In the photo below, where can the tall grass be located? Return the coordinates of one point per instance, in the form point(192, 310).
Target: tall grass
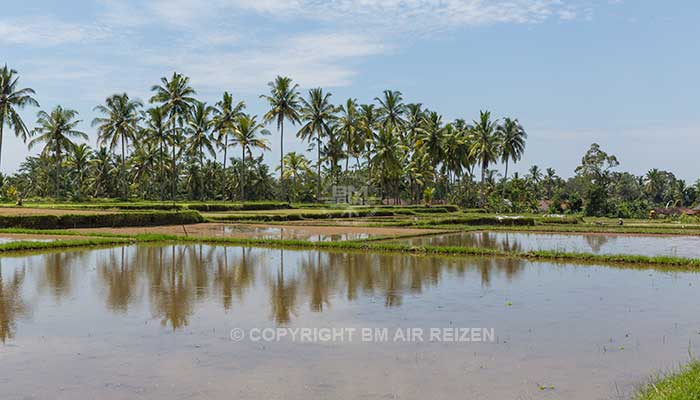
point(683, 385)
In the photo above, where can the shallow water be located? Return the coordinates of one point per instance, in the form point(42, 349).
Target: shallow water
point(677, 246)
point(282, 232)
point(4, 240)
point(152, 322)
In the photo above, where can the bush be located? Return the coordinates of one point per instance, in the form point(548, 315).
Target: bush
point(70, 221)
point(302, 216)
point(482, 220)
point(214, 207)
point(566, 220)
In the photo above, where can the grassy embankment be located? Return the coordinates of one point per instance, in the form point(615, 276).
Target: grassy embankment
point(421, 217)
point(682, 385)
point(117, 219)
point(366, 246)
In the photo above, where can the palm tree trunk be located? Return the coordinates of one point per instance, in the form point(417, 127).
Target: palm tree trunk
point(483, 178)
point(505, 178)
point(318, 167)
point(283, 192)
point(162, 171)
point(126, 195)
point(201, 171)
point(223, 181)
point(58, 171)
point(2, 125)
point(242, 183)
point(281, 149)
point(174, 165)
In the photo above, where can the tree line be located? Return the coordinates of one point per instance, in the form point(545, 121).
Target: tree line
point(168, 149)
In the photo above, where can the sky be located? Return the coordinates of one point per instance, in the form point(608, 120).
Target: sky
point(621, 73)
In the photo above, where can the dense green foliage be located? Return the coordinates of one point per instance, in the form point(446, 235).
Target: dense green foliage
point(152, 218)
point(388, 152)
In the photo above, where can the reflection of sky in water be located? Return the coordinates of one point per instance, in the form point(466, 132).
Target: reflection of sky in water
point(679, 246)
point(153, 322)
point(10, 240)
point(289, 233)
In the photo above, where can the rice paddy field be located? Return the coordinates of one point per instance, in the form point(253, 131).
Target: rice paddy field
point(148, 300)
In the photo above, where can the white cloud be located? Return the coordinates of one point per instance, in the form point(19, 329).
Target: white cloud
point(312, 59)
point(410, 14)
point(47, 31)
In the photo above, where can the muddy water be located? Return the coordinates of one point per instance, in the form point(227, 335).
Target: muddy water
point(678, 246)
point(148, 322)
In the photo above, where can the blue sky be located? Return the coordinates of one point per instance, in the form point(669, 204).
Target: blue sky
point(622, 73)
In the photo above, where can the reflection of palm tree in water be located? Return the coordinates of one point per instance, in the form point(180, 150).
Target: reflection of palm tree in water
point(172, 292)
point(178, 275)
point(231, 280)
point(283, 294)
point(316, 279)
point(57, 273)
point(120, 281)
point(596, 242)
point(11, 304)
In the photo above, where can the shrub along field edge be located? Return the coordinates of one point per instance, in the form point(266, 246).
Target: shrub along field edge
point(72, 221)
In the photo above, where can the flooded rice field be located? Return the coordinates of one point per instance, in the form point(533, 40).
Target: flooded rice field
point(263, 231)
point(171, 322)
point(649, 245)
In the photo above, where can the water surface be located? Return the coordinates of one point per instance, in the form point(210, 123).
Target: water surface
point(677, 246)
point(154, 322)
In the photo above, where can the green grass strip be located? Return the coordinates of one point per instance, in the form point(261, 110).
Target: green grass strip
point(367, 246)
point(438, 250)
point(683, 385)
point(29, 245)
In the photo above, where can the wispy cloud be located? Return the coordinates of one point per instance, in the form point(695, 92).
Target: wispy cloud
point(313, 60)
point(238, 43)
point(47, 31)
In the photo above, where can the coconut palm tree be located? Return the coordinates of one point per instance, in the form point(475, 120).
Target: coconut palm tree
point(57, 131)
point(318, 114)
point(101, 165)
point(368, 121)
point(391, 110)
point(386, 157)
point(654, 184)
point(156, 131)
point(414, 120)
point(348, 127)
point(512, 136)
point(485, 147)
point(142, 165)
point(298, 166)
point(79, 164)
point(225, 120)
point(247, 136)
point(13, 99)
point(200, 139)
point(175, 95)
point(199, 131)
point(431, 135)
point(283, 101)
point(120, 124)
